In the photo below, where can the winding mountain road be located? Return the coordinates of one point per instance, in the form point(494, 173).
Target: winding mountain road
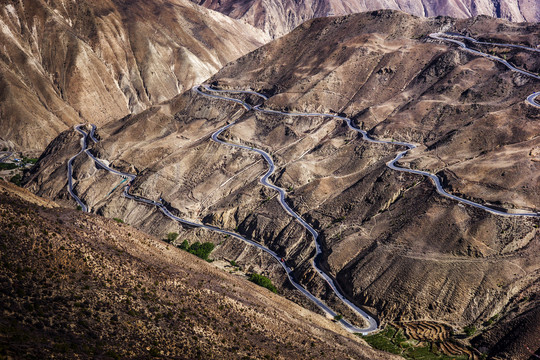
point(391, 164)
point(327, 310)
point(282, 194)
point(449, 37)
point(5, 156)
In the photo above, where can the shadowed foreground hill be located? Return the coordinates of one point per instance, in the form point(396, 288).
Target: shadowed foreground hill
point(79, 286)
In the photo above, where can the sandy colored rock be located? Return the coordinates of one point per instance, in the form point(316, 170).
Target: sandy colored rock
point(64, 63)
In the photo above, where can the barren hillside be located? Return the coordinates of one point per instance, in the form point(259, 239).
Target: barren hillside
point(79, 286)
point(63, 63)
point(278, 17)
point(391, 241)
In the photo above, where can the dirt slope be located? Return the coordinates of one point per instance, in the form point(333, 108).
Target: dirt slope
point(63, 63)
point(74, 285)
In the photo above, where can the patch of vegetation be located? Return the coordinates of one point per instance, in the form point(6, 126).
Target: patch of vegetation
point(383, 340)
point(492, 319)
point(184, 245)
point(263, 281)
point(29, 160)
point(120, 221)
point(8, 166)
point(201, 250)
point(171, 237)
point(16, 179)
point(338, 219)
point(338, 317)
point(469, 330)
point(394, 341)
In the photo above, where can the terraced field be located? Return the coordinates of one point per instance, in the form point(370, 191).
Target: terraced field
point(421, 340)
point(438, 335)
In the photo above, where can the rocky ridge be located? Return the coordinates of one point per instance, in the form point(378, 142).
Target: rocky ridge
point(63, 63)
point(278, 17)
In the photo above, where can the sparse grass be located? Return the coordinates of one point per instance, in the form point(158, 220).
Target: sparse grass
point(492, 319)
point(469, 330)
point(338, 219)
point(120, 221)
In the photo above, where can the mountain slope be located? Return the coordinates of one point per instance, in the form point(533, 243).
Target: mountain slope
point(63, 63)
point(277, 17)
point(387, 237)
point(73, 285)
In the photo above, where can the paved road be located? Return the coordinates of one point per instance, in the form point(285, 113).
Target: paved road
point(271, 168)
point(391, 164)
point(100, 164)
point(450, 37)
point(70, 169)
point(6, 156)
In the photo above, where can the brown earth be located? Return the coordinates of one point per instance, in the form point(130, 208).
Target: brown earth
point(79, 286)
point(63, 63)
point(278, 17)
point(392, 242)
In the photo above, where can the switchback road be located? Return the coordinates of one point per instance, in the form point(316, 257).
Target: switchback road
point(101, 165)
point(282, 198)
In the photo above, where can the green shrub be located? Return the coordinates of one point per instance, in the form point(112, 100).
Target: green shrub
point(172, 236)
point(120, 221)
point(184, 245)
point(338, 317)
point(262, 281)
point(7, 166)
point(201, 250)
point(469, 330)
point(29, 160)
point(16, 179)
point(492, 319)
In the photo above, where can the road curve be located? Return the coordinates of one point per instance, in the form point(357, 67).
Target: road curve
point(391, 164)
point(70, 169)
point(5, 156)
point(327, 310)
point(449, 37)
point(264, 179)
